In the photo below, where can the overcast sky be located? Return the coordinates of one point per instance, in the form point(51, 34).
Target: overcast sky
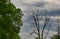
point(51, 7)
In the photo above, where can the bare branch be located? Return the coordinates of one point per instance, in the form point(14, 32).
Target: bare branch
point(48, 31)
point(45, 24)
point(34, 32)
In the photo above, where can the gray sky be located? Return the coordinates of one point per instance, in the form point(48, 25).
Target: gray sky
point(52, 7)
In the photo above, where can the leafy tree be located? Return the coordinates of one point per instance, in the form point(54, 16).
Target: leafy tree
point(10, 20)
point(55, 37)
point(36, 37)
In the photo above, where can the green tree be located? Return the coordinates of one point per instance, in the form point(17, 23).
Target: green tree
point(10, 20)
point(55, 37)
point(36, 37)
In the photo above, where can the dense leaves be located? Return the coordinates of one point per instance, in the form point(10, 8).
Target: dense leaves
point(10, 20)
point(55, 37)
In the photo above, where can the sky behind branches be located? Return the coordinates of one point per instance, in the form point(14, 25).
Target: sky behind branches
point(51, 7)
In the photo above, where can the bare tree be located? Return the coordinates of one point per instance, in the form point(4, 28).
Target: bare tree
point(49, 26)
point(45, 24)
point(36, 22)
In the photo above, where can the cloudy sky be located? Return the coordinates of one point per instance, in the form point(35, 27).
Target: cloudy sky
point(51, 7)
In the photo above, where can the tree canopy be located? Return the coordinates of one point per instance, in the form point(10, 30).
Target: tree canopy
point(10, 20)
point(55, 37)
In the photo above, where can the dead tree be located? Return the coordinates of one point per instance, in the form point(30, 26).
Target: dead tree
point(36, 23)
point(45, 24)
point(49, 26)
point(47, 18)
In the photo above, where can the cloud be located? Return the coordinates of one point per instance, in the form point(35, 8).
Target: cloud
point(43, 3)
point(50, 7)
point(39, 3)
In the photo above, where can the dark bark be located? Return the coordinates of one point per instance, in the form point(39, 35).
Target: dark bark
point(36, 21)
point(45, 24)
point(58, 26)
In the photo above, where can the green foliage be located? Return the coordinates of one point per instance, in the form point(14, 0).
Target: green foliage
point(10, 20)
point(55, 37)
point(36, 37)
